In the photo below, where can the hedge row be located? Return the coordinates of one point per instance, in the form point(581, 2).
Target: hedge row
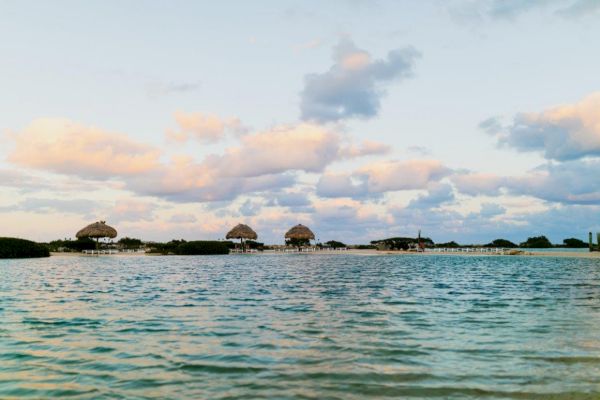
point(21, 248)
point(201, 248)
point(182, 247)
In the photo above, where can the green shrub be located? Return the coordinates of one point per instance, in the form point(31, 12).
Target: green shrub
point(451, 244)
point(21, 248)
point(295, 242)
point(81, 244)
point(130, 243)
point(72, 245)
point(335, 244)
point(537, 242)
point(201, 247)
point(401, 243)
point(501, 243)
point(574, 243)
point(365, 247)
point(164, 248)
point(254, 245)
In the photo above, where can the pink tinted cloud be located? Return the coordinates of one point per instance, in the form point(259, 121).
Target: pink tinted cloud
point(477, 183)
point(183, 219)
point(387, 176)
point(263, 161)
point(366, 148)
point(206, 128)
point(304, 147)
point(63, 146)
point(563, 133)
point(129, 209)
point(382, 176)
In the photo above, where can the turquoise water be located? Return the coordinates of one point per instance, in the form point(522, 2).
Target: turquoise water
point(559, 250)
point(300, 327)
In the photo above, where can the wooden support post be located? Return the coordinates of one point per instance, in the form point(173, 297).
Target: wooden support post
point(591, 242)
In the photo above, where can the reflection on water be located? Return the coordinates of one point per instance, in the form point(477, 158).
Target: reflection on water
point(300, 326)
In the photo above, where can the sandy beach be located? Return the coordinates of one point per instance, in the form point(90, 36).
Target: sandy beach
point(369, 252)
point(523, 253)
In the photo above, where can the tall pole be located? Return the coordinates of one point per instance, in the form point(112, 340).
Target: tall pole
point(591, 242)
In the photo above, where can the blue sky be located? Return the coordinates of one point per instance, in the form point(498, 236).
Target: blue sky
point(471, 120)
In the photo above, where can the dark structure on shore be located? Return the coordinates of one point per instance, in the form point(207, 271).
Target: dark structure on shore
point(591, 240)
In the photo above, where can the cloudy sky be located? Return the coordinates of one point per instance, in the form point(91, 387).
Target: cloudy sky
point(470, 120)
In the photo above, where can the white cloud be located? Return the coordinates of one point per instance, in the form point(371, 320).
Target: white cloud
point(388, 176)
point(562, 133)
point(183, 219)
point(83, 207)
point(381, 177)
point(572, 182)
point(437, 195)
point(205, 128)
point(366, 148)
point(60, 145)
point(131, 209)
point(303, 147)
point(509, 10)
point(353, 86)
point(477, 183)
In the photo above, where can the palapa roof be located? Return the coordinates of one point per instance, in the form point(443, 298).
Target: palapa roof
point(241, 231)
point(300, 232)
point(97, 230)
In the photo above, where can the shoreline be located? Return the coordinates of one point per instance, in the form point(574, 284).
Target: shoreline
point(369, 252)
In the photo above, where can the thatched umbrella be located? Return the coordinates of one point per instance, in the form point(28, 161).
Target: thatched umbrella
point(241, 231)
point(300, 233)
point(96, 231)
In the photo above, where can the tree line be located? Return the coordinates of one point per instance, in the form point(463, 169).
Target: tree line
point(534, 242)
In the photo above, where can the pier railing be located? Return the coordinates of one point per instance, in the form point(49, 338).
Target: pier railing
point(243, 251)
point(98, 252)
point(484, 250)
point(307, 249)
point(112, 251)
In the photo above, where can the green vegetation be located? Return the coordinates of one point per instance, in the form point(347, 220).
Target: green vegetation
point(21, 248)
point(182, 247)
point(401, 243)
point(72, 245)
point(364, 247)
point(202, 248)
point(501, 243)
point(451, 244)
point(130, 243)
point(297, 242)
point(334, 244)
point(573, 243)
point(164, 248)
point(254, 245)
point(537, 242)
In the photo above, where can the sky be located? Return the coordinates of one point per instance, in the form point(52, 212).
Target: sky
point(467, 120)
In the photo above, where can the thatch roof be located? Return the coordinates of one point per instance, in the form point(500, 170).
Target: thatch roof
point(97, 230)
point(300, 232)
point(241, 231)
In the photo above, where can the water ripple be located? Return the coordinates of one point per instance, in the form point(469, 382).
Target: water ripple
point(300, 327)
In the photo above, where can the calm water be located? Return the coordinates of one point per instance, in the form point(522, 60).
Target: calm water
point(300, 327)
